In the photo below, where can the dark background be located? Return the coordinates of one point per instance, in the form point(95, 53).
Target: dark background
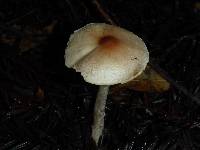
point(46, 106)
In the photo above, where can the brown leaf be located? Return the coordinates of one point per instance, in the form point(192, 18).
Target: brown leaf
point(148, 81)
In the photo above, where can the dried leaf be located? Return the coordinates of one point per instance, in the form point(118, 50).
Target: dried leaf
point(148, 81)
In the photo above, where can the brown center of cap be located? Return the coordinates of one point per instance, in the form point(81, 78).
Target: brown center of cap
point(108, 42)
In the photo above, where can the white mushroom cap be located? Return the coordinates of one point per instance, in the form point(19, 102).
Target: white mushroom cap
point(106, 54)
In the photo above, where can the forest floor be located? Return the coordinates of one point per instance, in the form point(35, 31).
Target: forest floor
point(47, 106)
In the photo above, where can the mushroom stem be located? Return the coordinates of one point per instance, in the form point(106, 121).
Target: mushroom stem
point(99, 112)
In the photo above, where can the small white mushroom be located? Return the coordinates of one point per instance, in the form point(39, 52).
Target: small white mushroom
point(105, 55)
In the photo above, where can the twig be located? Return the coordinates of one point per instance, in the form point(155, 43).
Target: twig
point(167, 77)
point(103, 13)
point(21, 17)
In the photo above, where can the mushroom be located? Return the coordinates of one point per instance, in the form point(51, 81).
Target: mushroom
point(105, 55)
